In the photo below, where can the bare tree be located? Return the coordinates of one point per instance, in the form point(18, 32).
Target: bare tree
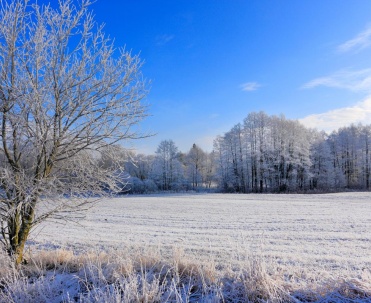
point(67, 98)
point(196, 163)
point(168, 170)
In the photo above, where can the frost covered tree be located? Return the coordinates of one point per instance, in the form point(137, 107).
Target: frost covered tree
point(67, 98)
point(350, 156)
point(365, 142)
point(140, 166)
point(196, 166)
point(323, 174)
point(210, 170)
point(168, 170)
point(264, 154)
point(272, 153)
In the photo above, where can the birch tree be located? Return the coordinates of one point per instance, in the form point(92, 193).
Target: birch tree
point(365, 139)
point(168, 171)
point(196, 163)
point(67, 98)
point(265, 153)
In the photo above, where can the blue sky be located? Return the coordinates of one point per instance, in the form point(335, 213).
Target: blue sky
point(211, 62)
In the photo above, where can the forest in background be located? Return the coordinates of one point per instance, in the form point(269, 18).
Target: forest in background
point(262, 154)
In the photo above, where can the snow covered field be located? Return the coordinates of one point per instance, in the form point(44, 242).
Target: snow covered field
point(321, 233)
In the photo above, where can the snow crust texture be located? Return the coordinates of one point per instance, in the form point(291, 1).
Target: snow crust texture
point(329, 231)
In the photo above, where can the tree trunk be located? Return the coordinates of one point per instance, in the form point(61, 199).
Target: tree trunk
point(367, 166)
point(21, 244)
point(19, 228)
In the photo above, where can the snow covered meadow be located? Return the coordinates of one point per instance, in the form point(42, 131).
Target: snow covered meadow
point(300, 243)
point(327, 231)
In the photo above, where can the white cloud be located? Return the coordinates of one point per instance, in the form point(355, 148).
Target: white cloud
point(359, 42)
point(164, 39)
point(214, 116)
point(250, 86)
point(334, 119)
point(357, 81)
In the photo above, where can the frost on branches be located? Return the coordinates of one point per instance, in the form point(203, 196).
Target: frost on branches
point(67, 97)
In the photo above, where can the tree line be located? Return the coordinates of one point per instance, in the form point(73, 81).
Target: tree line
point(170, 169)
point(262, 154)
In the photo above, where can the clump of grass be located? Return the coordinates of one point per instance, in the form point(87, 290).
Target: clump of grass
point(253, 283)
point(336, 290)
point(6, 266)
point(147, 276)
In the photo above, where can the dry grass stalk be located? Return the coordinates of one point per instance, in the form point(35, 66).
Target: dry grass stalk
point(114, 276)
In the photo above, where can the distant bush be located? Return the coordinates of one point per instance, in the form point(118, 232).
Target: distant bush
point(150, 186)
point(138, 186)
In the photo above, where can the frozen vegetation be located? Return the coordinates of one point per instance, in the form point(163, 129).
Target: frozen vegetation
point(264, 154)
point(202, 248)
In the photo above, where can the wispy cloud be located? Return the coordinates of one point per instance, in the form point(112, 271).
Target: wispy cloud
point(357, 81)
point(164, 39)
point(359, 42)
point(250, 86)
point(334, 119)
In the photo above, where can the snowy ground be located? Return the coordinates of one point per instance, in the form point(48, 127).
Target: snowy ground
point(330, 232)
